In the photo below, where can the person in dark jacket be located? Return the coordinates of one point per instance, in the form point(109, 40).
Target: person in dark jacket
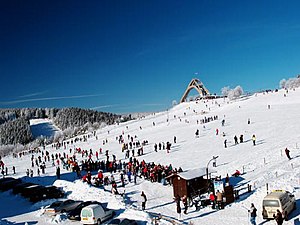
point(225, 143)
point(278, 217)
point(235, 139)
point(252, 212)
point(287, 152)
point(178, 207)
point(144, 200)
point(58, 172)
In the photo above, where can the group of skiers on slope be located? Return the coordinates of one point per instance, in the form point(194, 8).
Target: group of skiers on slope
point(279, 218)
point(241, 138)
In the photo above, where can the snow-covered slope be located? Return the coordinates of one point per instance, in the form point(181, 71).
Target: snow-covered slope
point(275, 127)
point(43, 127)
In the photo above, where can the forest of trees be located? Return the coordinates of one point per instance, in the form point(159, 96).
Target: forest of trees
point(26, 113)
point(15, 127)
point(15, 131)
point(76, 117)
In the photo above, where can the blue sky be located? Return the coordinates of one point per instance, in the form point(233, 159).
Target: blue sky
point(134, 56)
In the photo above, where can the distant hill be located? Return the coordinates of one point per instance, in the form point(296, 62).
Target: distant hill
point(15, 126)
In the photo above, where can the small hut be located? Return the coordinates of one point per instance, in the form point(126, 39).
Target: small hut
point(190, 183)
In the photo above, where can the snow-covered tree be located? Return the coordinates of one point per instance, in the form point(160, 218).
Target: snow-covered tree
point(282, 83)
point(232, 93)
point(290, 83)
point(16, 131)
point(71, 117)
point(225, 91)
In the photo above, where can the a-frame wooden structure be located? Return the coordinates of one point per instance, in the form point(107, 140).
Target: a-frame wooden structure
point(199, 86)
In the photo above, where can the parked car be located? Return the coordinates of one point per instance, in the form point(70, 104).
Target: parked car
point(19, 187)
point(47, 192)
point(9, 184)
point(95, 214)
point(75, 213)
point(25, 192)
point(120, 221)
point(62, 206)
point(6, 179)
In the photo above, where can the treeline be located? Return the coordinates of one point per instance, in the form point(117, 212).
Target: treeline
point(15, 127)
point(26, 113)
point(15, 131)
point(76, 117)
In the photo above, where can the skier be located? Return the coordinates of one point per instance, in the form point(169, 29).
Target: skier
point(225, 143)
point(252, 212)
point(175, 139)
point(144, 200)
point(168, 147)
point(197, 133)
point(287, 152)
point(217, 131)
point(235, 139)
point(223, 122)
point(253, 139)
point(155, 147)
point(241, 138)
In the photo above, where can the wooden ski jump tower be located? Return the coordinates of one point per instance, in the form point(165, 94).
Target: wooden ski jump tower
point(199, 86)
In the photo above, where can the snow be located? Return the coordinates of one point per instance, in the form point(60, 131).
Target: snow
point(265, 163)
point(194, 173)
point(43, 127)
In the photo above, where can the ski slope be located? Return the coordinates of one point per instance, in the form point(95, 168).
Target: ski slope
point(275, 129)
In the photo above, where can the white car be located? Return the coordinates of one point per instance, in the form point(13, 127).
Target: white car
point(95, 214)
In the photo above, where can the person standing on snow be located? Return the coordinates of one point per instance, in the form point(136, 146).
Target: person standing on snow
point(185, 203)
point(219, 199)
point(241, 138)
point(178, 207)
point(58, 172)
point(253, 139)
point(287, 152)
point(144, 200)
point(197, 133)
point(278, 217)
point(252, 212)
point(225, 143)
point(212, 199)
point(235, 140)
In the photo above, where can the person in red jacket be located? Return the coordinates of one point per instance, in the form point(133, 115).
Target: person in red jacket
point(212, 198)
